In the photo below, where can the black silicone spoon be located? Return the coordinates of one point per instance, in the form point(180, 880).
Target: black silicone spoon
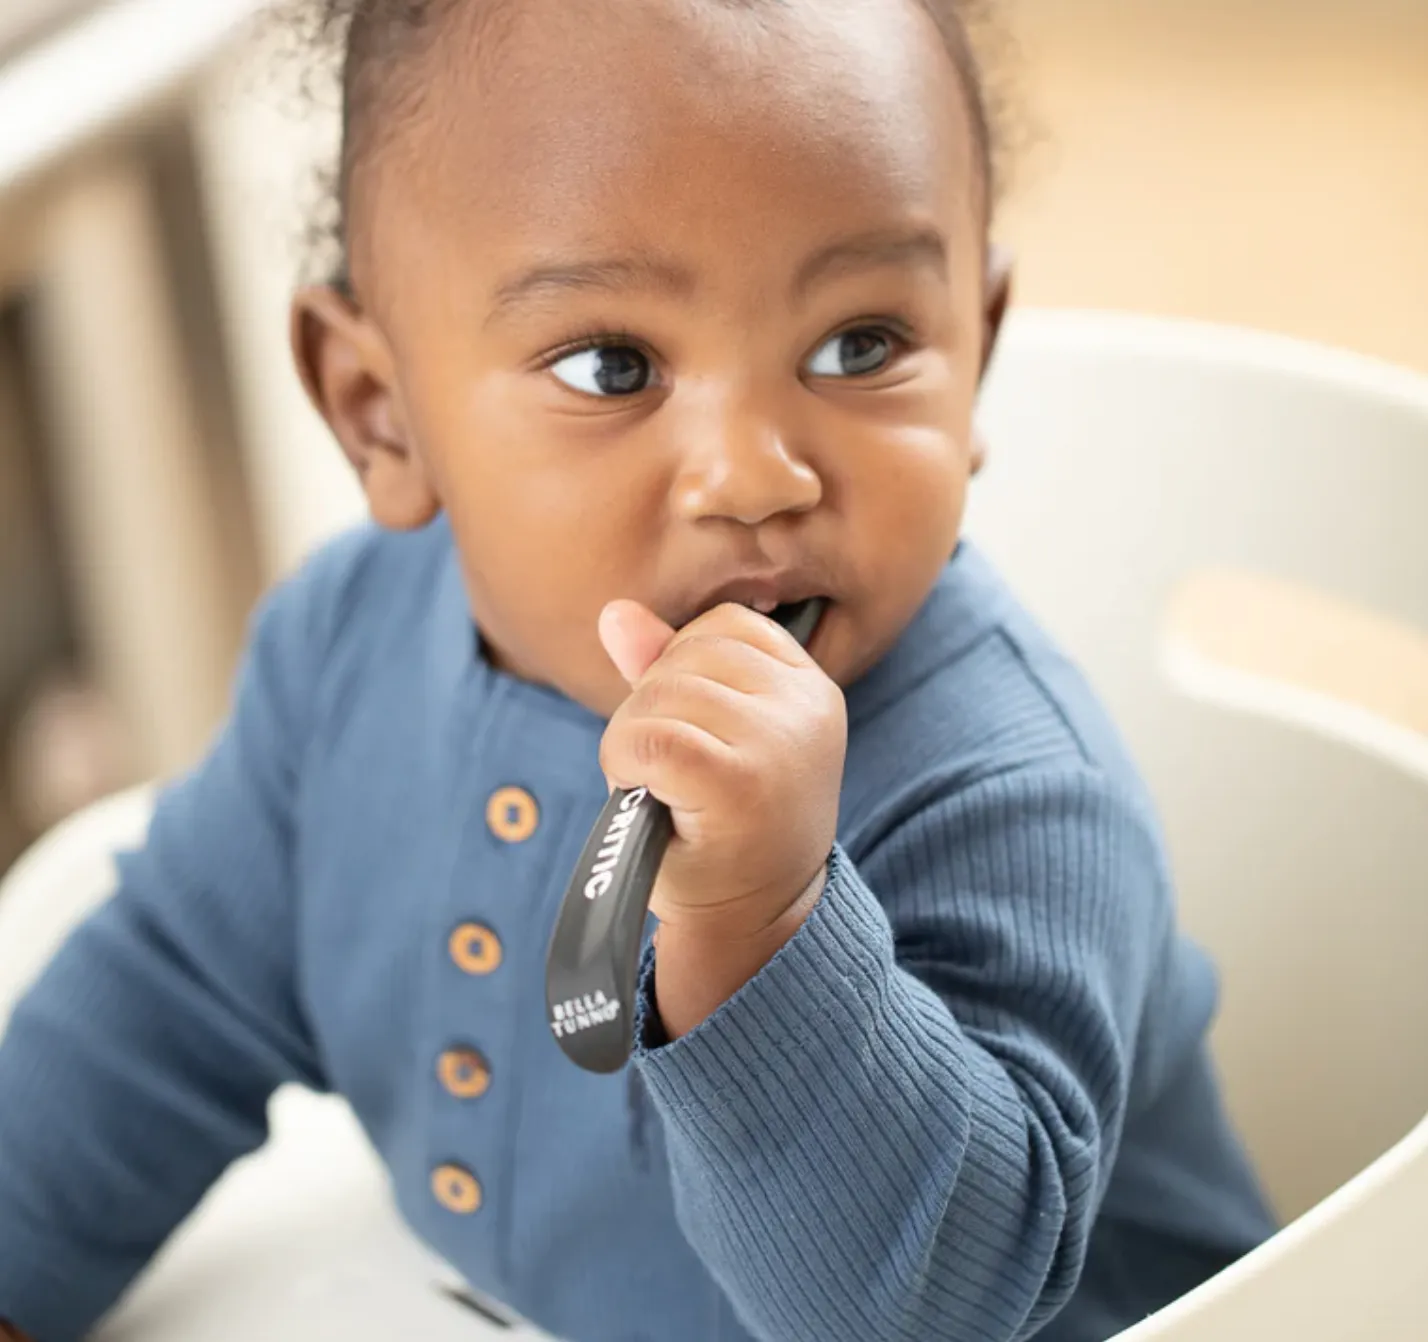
point(594, 954)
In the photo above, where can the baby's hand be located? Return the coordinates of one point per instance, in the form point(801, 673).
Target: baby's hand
point(740, 733)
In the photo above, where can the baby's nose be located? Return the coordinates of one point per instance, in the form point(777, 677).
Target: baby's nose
point(745, 468)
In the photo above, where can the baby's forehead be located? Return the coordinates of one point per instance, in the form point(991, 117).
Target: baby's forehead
point(536, 115)
point(861, 61)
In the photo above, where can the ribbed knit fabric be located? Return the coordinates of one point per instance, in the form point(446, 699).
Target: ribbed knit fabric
point(969, 1100)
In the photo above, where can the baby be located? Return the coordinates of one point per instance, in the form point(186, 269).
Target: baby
point(656, 315)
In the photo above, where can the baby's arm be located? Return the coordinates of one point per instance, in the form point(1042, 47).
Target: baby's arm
point(141, 1063)
point(912, 1141)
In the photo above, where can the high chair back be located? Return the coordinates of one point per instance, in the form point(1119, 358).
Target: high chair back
point(1230, 533)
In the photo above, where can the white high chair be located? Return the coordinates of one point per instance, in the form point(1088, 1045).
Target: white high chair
point(1228, 532)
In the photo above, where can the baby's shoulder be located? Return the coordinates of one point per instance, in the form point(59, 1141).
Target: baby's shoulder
point(355, 619)
point(976, 690)
point(359, 591)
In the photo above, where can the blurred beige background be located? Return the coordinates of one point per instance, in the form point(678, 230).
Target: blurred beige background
point(1262, 163)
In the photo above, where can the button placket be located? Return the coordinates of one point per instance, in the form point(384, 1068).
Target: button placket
point(530, 799)
point(513, 817)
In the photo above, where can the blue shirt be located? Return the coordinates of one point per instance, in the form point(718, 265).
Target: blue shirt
point(970, 1099)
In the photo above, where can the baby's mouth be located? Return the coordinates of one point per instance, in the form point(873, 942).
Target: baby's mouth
point(783, 598)
point(800, 618)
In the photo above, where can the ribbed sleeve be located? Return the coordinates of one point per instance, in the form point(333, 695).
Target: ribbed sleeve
point(902, 1127)
point(142, 1062)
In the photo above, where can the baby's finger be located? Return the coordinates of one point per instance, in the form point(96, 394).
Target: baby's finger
point(723, 658)
point(684, 766)
point(633, 637)
point(728, 714)
point(746, 626)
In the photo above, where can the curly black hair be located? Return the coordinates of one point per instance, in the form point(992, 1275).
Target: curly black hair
point(371, 43)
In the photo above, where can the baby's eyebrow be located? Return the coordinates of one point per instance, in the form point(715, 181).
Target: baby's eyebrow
point(869, 251)
point(864, 251)
point(610, 274)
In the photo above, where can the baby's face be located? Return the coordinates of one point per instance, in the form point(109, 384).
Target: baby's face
point(680, 305)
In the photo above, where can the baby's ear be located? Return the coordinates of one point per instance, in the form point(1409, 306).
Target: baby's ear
point(347, 369)
point(996, 298)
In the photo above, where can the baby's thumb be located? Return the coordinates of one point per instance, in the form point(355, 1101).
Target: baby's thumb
point(634, 637)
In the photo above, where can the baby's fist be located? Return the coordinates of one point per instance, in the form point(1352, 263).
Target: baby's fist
point(740, 733)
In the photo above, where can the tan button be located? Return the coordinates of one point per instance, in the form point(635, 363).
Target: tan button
point(456, 1189)
point(476, 949)
point(512, 814)
point(464, 1073)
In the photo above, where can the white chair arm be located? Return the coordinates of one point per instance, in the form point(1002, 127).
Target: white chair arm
point(1349, 1270)
point(57, 882)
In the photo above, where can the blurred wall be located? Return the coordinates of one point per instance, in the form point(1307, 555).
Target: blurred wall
point(1261, 162)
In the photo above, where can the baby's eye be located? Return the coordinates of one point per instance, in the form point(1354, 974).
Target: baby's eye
point(605, 370)
point(856, 353)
